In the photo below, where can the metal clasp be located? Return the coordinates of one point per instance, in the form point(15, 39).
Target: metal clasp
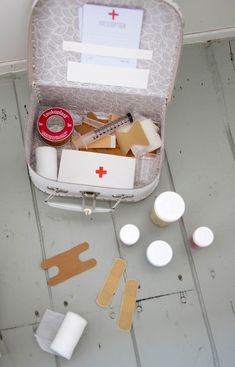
point(90, 196)
point(55, 191)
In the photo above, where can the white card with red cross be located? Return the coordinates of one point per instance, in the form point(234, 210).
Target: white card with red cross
point(96, 169)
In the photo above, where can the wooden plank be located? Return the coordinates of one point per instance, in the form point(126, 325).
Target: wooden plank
point(193, 117)
point(172, 333)
point(62, 230)
point(153, 281)
point(21, 349)
point(22, 284)
point(223, 68)
point(103, 344)
point(23, 96)
point(171, 282)
point(202, 167)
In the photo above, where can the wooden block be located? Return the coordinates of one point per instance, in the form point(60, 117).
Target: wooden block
point(68, 263)
point(83, 129)
point(111, 283)
point(108, 141)
point(92, 116)
point(113, 151)
point(113, 117)
point(128, 304)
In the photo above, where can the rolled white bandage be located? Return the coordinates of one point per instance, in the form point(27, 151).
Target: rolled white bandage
point(68, 335)
point(46, 162)
point(59, 334)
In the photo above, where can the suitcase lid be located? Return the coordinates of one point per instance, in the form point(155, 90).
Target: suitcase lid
point(53, 22)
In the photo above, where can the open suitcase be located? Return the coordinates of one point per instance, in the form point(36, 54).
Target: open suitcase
point(53, 22)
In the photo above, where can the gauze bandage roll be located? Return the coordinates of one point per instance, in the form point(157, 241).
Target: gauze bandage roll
point(68, 335)
point(59, 334)
point(46, 162)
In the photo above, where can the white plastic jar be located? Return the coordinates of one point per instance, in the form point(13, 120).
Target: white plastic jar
point(202, 237)
point(159, 253)
point(168, 208)
point(129, 234)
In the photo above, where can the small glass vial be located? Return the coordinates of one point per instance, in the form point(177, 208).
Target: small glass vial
point(202, 237)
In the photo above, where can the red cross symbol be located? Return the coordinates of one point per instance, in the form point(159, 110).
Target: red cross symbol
point(101, 172)
point(113, 14)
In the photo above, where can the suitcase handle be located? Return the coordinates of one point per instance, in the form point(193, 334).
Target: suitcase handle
point(83, 208)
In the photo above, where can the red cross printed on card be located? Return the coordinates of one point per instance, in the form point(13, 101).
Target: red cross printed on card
point(101, 172)
point(113, 14)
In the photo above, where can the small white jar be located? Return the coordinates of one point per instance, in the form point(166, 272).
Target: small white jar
point(168, 208)
point(159, 253)
point(129, 234)
point(202, 237)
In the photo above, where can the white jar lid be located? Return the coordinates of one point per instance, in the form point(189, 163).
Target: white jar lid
point(169, 206)
point(129, 234)
point(203, 236)
point(159, 253)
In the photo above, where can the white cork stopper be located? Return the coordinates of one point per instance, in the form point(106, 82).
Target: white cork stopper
point(159, 253)
point(129, 234)
point(203, 237)
point(169, 206)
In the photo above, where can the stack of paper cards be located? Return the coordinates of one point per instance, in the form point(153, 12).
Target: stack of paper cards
point(110, 26)
point(97, 169)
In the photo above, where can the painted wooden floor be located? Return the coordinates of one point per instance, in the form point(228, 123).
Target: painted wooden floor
point(186, 311)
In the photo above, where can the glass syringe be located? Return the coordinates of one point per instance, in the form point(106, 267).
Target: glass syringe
point(83, 141)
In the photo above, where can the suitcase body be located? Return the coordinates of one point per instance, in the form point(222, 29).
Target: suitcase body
point(54, 22)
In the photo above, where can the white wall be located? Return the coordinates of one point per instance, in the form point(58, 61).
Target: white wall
point(204, 19)
point(208, 19)
point(13, 29)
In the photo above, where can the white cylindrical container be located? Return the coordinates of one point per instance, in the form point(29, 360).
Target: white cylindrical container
point(202, 237)
point(159, 253)
point(168, 208)
point(68, 335)
point(129, 234)
point(46, 162)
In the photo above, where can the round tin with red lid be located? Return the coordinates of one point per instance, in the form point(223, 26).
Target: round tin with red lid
point(55, 126)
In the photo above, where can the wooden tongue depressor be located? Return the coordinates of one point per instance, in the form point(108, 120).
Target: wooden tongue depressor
point(128, 305)
point(111, 283)
point(113, 151)
point(68, 263)
point(108, 141)
point(93, 116)
point(134, 136)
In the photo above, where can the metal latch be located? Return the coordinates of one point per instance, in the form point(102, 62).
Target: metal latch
point(90, 196)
